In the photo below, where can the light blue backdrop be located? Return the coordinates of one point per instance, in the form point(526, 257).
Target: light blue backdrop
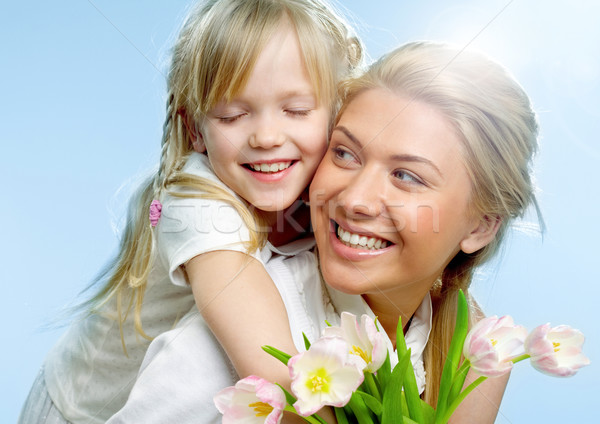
point(82, 87)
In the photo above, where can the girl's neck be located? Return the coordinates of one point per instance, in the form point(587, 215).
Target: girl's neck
point(288, 225)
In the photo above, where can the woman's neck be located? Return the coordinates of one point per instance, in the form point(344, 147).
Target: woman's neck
point(388, 309)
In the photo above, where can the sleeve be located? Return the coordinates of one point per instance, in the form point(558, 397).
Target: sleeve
point(189, 227)
point(182, 370)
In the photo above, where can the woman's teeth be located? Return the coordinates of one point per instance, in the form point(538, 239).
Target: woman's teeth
point(360, 242)
point(270, 167)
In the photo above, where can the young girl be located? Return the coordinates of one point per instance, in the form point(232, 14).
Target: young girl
point(446, 136)
point(251, 90)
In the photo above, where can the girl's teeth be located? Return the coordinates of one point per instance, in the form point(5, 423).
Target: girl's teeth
point(360, 242)
point(271, 167)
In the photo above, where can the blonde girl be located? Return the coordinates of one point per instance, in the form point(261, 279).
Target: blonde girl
point(429, 162)
point(251, 90)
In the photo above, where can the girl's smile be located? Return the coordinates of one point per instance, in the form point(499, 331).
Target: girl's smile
point(266, 143)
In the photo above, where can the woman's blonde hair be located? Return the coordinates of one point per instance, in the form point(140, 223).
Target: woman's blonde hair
point(494, 120)
point(212, 59)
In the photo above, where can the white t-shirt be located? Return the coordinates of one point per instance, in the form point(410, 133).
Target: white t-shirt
point(185, 367)
point(87, 373)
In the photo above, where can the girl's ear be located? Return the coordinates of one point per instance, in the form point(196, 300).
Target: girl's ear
point(482, 234)
point(193, 130)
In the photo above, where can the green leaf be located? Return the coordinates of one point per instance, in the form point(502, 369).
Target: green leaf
point(411, 392)
point(278, 354)
point(372, 403)
point(371, 385)
point(459, 381)
point(405, 410)
point(454, 353)
point(428, 412)
point(289, 398)
point(306, 341)
point(383, 373)
point(413, 399)
point(392, 396)
point(358, 406)
point(340, 416)
point(400, 341)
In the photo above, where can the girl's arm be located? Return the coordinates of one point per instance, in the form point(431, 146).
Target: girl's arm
point(243, 308)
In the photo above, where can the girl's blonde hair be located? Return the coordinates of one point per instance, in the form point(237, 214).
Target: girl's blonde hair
point(212, 59)
point(494, 120)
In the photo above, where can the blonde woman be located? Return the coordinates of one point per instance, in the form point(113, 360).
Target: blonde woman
point(428, 164)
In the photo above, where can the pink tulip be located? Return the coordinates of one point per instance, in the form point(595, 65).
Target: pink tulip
point(251, 400)
point(323, 375)
point(367, 346)
point(491, 345)
point(556, 351)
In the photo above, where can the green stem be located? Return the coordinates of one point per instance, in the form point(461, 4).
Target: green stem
point(459, 381)
point(310, 419)
point(448, 413)
point(520, 358)
point(372, 386)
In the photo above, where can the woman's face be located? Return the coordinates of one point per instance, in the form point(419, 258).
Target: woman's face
point(390, 200)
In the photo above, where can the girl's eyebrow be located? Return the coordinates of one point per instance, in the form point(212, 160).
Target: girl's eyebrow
point(297, 93)
point(398, 157)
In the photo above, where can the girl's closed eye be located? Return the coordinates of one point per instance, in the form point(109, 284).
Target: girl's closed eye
point(298, 112)
point(229, 118)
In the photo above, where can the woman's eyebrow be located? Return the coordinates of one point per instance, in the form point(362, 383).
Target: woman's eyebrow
point(398, 157)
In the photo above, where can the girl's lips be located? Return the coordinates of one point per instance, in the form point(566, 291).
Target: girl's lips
point(270, 177)
point(352, 253)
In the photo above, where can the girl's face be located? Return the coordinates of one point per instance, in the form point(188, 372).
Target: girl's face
point(390, 200)
point(268, 141)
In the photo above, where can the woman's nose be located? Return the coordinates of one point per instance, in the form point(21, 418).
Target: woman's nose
point(362, 197)
point(268, 133)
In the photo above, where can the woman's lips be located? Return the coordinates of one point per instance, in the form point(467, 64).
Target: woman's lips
point(355, 246)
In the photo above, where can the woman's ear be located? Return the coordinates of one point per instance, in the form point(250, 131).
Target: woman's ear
point(482, 234)
point(193, 130)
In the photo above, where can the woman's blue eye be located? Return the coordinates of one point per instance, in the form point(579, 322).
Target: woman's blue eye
point(407, 177)
point(342, 154)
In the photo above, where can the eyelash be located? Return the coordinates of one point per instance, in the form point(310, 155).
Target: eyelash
point(293, 112)
point(229, 119)
point(413, 178)
point(339, 154)
point(298, 112)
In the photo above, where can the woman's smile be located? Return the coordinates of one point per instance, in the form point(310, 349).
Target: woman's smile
point(390, 200)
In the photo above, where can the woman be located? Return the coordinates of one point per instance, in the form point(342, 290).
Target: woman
point(428, 163)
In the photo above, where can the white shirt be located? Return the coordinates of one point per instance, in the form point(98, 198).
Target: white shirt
point(184, 368)
point(87, 373)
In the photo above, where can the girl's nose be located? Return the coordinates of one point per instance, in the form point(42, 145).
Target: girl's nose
point(267, 134)
point(362, 197)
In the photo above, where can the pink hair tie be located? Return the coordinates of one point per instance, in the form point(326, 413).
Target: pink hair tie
point(155, 209)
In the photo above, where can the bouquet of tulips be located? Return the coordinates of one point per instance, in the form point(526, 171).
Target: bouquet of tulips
point(349, 368)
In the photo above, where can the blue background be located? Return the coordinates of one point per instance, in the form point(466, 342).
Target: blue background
point(82, 85)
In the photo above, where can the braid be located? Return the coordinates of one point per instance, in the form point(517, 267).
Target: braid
point(167, 128)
